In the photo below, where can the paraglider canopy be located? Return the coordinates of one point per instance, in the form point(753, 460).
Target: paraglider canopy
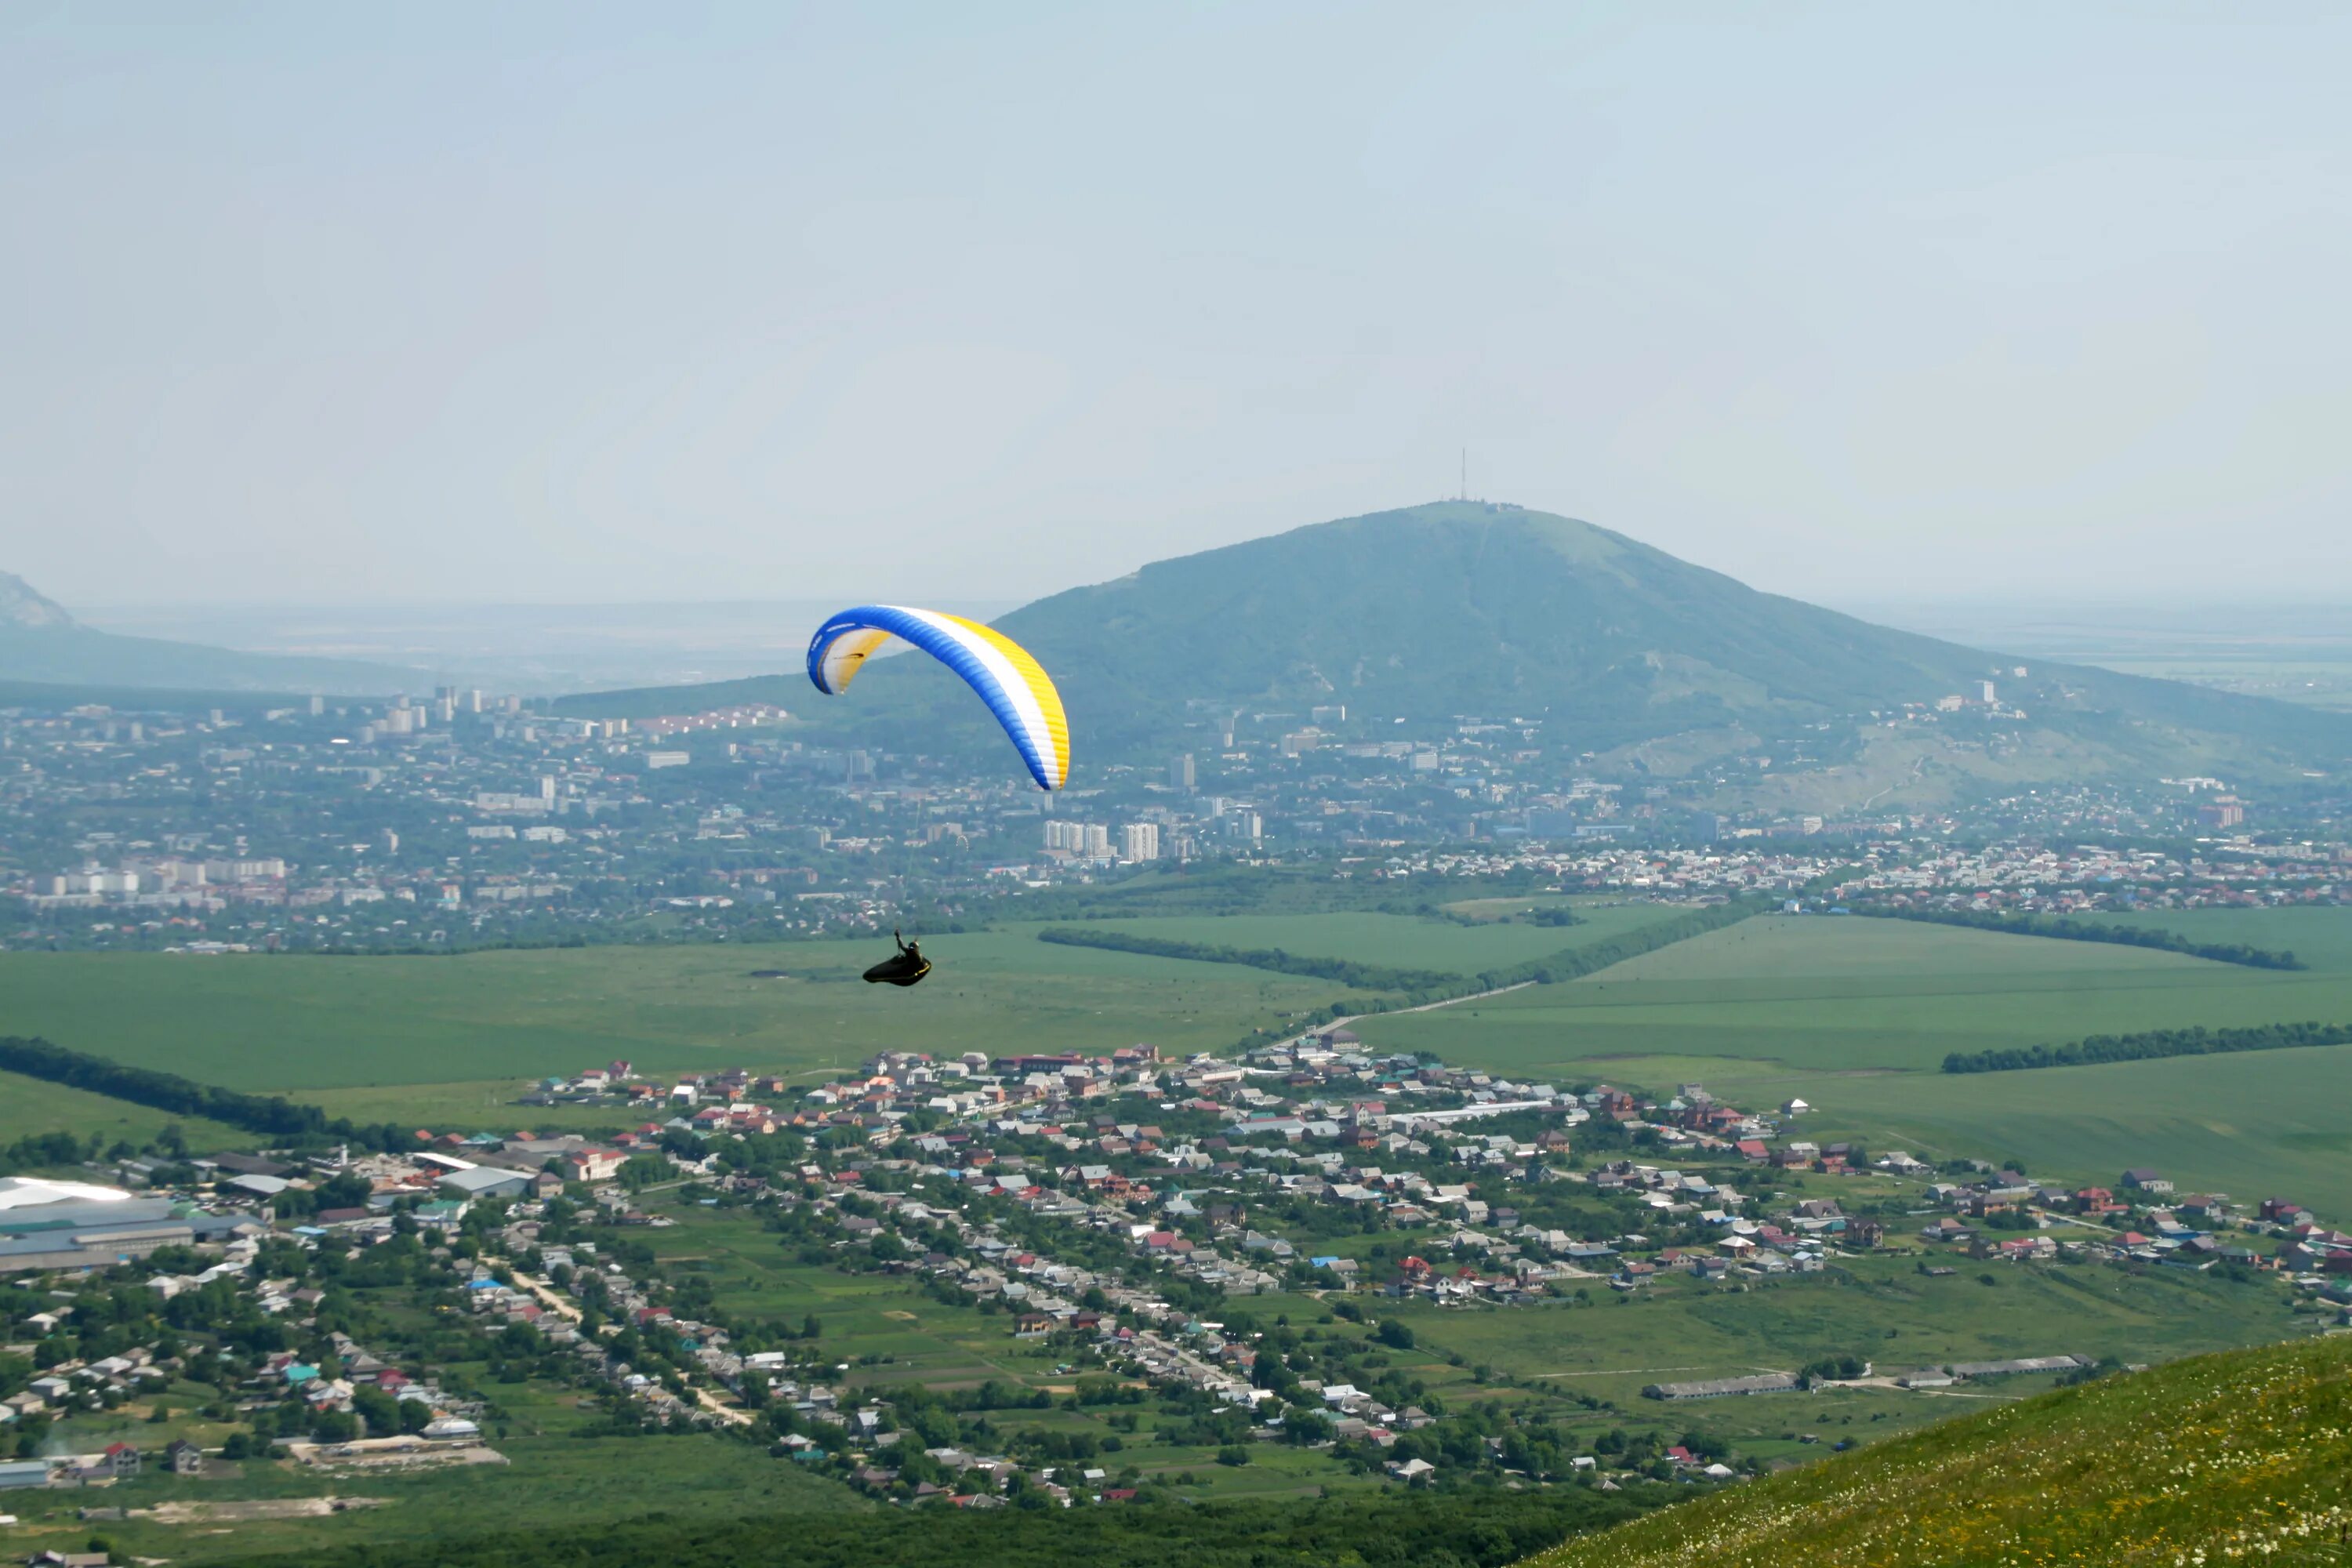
point(1013, 685)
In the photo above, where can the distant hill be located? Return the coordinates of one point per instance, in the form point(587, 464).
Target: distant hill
point(50, 697)
point(1635, 664)
point(787, 691)
point(39, 642)
point(20, 605)
point(2240, 1457)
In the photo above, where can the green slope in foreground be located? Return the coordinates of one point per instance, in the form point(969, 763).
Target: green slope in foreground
point(2246, 1456)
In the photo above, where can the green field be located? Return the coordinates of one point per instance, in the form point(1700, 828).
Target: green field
point(28, 1105)
point(451, 1040)
point(2263, 1124)
point(1855, 1015)
point(304, 1023)
point(2321, 938)
point(1404, 942)
point(1860, 993)
point(2260, 1124)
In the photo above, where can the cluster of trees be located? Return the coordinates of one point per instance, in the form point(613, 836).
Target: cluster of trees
point(1479, 1527)
point(2067, 929)
point(1344, 971)
point(2150, 1044)
point(162, 1091)
point(1831, 1369)
point(43, 1150)
point(1221, 888)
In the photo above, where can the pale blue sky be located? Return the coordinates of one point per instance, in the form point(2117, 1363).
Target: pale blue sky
point(565, 303)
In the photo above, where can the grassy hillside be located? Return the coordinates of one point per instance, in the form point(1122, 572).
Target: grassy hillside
point(2237, 1455)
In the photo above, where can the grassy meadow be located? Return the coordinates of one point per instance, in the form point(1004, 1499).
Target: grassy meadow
point(451, 1040)
point(279, 1021)
point(1855, 1017)
point(1817, 992)
point(2260, 1124)
point(1404, 942)
point(29, 1106)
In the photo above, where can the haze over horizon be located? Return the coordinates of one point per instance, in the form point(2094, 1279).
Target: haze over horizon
point(574, 307)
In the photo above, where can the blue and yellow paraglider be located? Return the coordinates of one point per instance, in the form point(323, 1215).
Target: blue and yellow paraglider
point(1013, 685)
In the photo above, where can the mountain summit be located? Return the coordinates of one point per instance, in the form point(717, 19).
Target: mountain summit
point(40, 643)
point(22, 606)
point(1476, 609)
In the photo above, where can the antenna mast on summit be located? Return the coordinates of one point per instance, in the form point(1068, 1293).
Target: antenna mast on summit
point(1466, 475)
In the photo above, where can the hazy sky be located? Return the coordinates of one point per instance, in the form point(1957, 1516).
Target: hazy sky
point(565, 303)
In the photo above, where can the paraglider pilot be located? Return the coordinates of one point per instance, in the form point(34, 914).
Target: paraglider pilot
point(904, 967)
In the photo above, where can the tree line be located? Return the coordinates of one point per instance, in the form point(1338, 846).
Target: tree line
point(1344, 971)
point(2064, 928)
point(271, 1116)
point(1419, 985)
point(2150, 1044)
point(47, 1151)
point(1576, 963)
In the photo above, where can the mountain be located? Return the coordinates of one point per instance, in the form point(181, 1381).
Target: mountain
point(1634, 662)
point(2237, 1457)
point(39, 642)
point(20, 605)
point(1470, 608)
